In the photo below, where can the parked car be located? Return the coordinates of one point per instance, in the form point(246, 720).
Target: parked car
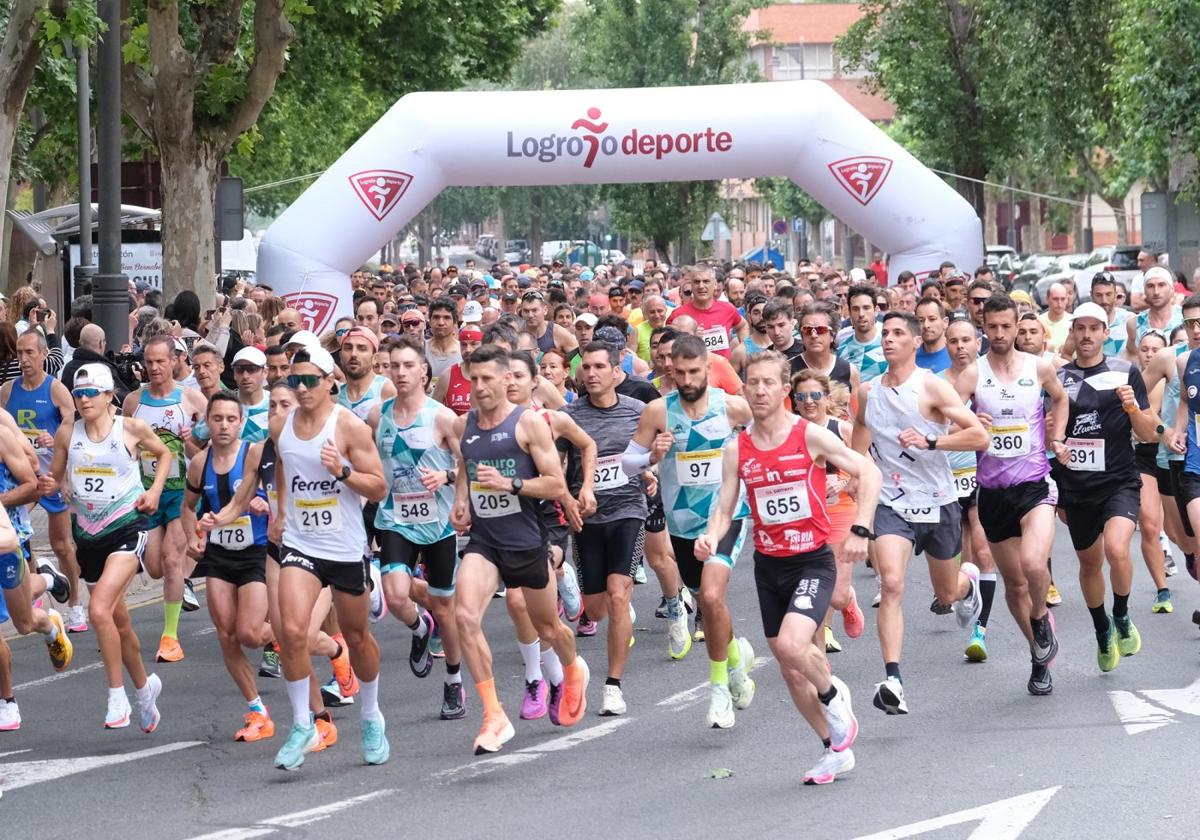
point(1118, 260)
point(1032, 269)
point(485, 246)
point(552, 247)
point(516, 251)
point(583, 253)
point(1064, 267)
point(993, 253)
point(614, 256)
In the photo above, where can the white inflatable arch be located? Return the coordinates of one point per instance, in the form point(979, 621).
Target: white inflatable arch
point(429, 141)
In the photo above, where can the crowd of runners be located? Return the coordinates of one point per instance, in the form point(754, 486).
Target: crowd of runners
point(556, 435)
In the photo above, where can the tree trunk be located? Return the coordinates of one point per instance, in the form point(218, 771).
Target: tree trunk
point(1120, 217)
point(190, 174)
point(535, 226)
point(424, 225)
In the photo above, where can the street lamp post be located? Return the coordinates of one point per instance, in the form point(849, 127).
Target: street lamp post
point(85, 271)
point(110, 290)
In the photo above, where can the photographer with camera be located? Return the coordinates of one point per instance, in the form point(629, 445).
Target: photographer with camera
point(91, 351)
point(34, 315)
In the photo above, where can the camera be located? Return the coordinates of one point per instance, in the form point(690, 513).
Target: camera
point(129, 367)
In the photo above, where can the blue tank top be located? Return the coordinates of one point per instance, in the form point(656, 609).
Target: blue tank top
point(690, 474)
point(546, 339)
point(1143, 323)
point(35, 412)
point(1191, 387)
point(500, 519)
point(248, 529)
point(408, 508)
point(20, 514)
point(1170, 405)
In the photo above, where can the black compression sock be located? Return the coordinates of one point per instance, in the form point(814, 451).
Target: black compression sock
point(987, 589)
point(892, 669)
point(1099, 619)
point(827, 697)
point(1120, 605)
point(453, 669)
point(613, 681)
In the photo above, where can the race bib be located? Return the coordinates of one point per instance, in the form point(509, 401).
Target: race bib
point(94, 484)
point(414, 508)
point(419, 437)
point(1085, 455)
point(698, 469)
point(493, 504)
point(609, 474)
point(920, 516)
point(1012, 440)
point(238, 534)
point(783, 503)
point(715, 338)
point(150, 464)
point(318, 516)
point(964, 482)
point(33, 435)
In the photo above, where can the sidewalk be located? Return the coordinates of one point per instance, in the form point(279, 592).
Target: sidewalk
point(143, 590)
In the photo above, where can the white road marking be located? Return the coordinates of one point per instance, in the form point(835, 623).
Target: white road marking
point(1138, 715)
point(296, 819)
point(1003, 820)
point(83, 669)
point(532, 753)
point(19, 774)
point(695, 693)
point(204, 631)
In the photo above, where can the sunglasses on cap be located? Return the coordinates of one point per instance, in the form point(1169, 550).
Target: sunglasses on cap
point(533, 295)
point(308, 380)
point(89, 393)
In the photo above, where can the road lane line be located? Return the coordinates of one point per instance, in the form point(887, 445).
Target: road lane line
point(533, 752)
point(19, 774)
point(83, 669)
point(295, 819)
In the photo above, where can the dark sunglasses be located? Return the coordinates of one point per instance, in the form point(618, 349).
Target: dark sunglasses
point(809, 396)
point(308, 380)
point(244, 369)
point(978, 301)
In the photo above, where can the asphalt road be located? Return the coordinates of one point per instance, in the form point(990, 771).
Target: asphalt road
point(1105, 756)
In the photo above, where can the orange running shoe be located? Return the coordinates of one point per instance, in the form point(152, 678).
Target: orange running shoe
point(326, 732)
point(496, 731)
point(258, 726)
point(168, 650)
point(61, 650)
point(347, 682)
point(574, 700)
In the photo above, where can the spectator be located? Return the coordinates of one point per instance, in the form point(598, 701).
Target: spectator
point(90, 350)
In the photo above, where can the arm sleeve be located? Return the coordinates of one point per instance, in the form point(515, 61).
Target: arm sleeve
point(635, 459)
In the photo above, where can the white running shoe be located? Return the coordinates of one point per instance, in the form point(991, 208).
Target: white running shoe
point(378, 608)
point(148, 703)
point(614, 702)
point(878, 591)
point(831, 765)
point(889, 697)
point(720, 707)
point(10, 717)
point(77, 619)
point(967, 610)
point(119, 710)
point(568, 590)
point(741, 687)
point(839, 715)
point(679, 637)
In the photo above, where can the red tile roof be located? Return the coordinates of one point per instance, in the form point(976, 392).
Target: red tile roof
point(870, 105)
point(812, 23)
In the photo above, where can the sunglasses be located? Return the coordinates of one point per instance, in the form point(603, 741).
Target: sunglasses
point(308, 380)
point(811, 330)
point(978, 301)
point(412, 323)
point(341, 332)
point(244, 369)
point(1191, 323)
point(532, 296)
point(89, 393)
point(809, 396)
point(687, 292)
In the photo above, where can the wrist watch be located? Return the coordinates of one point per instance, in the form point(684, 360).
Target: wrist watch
point(862, 531)
point(451, 476)
point(344, 474)
point(1159, 429)
point(517, 484)
point(931, 439)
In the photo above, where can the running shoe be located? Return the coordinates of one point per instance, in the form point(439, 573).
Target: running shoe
point(1053, 597)
point(832, 645)
point(301, 740)
point(454, 701)
point(853, 620)
point(190, 602)
point(375, 747)
point(613, 704)
point(573, 704)
point(59, 586)
point(533, 704)
point(1040, 682)
point(977, 647)
point(1045, 642)
point(1162, 602)
point(831, 765)
point(494, 734)
point(1129, 640)
point(1189, 562)
point(554, 702)
point(420, 660)
point(839, 715)
point(331, 695)
point(741, 687)
point(435, 644)
point(639, 574)
point(720, 707)
point(568, 591)
point(1170, 566)
point(147, 697)
point(501, 591)
point(679, 638)
point(378, 607)
point(878, 591)
point(256, 727)
point(343, 673)
point(169, 650)
point(889, 697)
point(685, 598)
point(326, 731)
point(938, 608)
point(698, 633)
point(61, 650)
point(1108, 653)
point(270, 666)
point(77, 619)
point(586, 627)
point(10, 716)
point(967, 610)
point(661, 610)
point(119, 710)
